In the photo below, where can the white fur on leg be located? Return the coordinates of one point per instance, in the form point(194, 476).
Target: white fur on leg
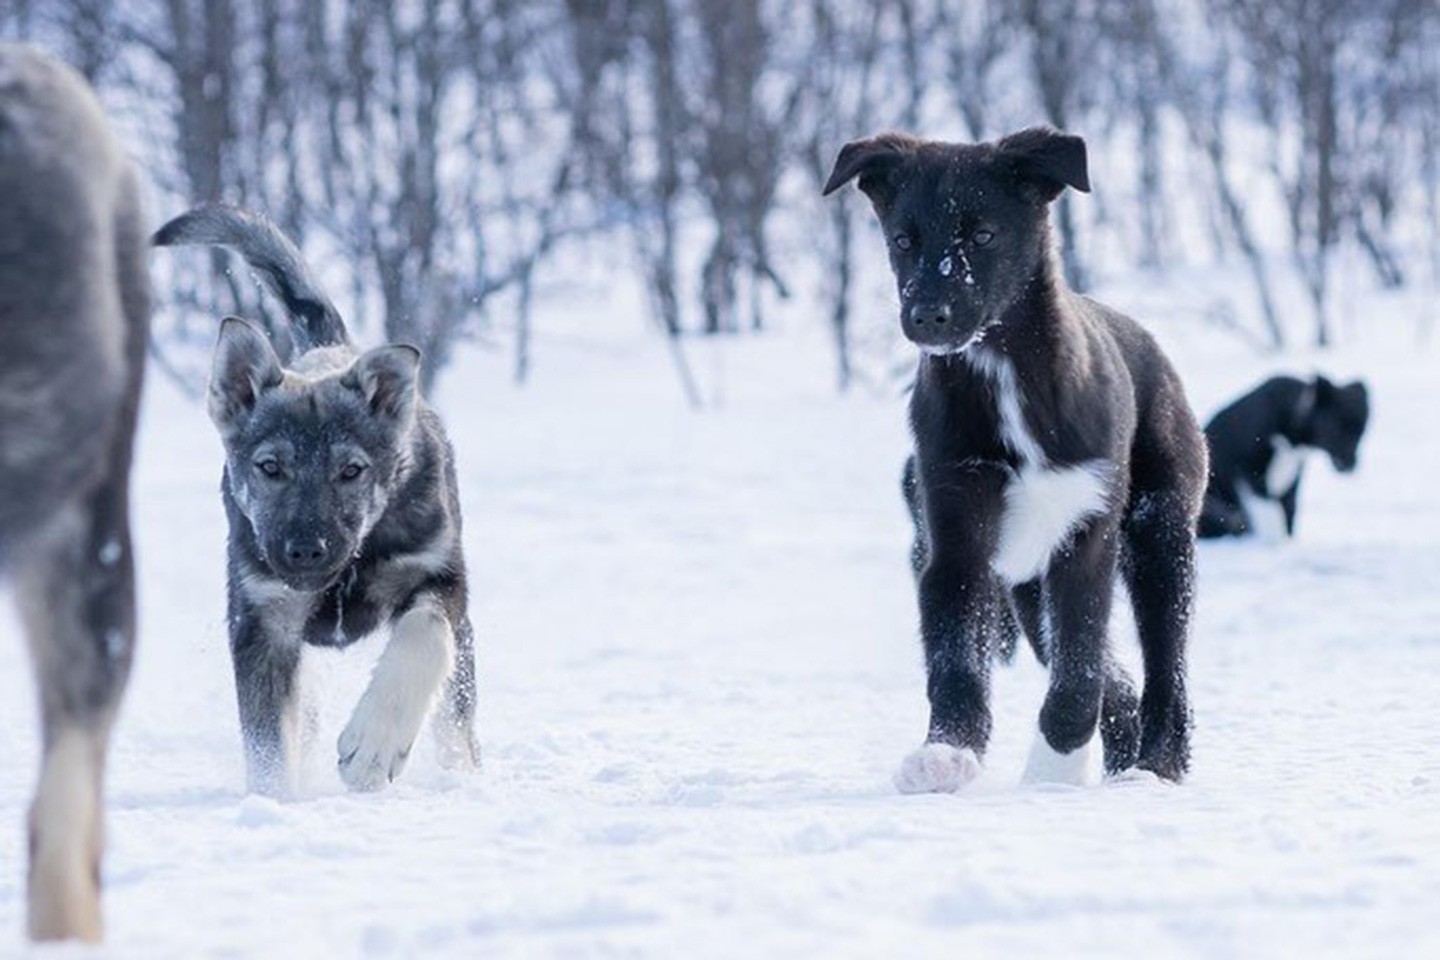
point(65, 831)
point(937, 768)
point(376, 742)
point(1080, 767)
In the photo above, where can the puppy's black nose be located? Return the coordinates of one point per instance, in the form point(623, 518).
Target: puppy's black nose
point(306, 552)
point(930, 314)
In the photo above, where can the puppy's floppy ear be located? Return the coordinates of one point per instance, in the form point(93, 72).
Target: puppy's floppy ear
point(389, 380)
point(245, 367)
point(1046, 160)
point(873, 160)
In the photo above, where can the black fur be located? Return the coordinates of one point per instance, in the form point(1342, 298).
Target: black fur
point(1277, 422)
point(980, 293)
point(342, 499)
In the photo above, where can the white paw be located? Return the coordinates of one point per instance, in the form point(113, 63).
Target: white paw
point(937, 768)
point(376, 742)
point(1080, 767)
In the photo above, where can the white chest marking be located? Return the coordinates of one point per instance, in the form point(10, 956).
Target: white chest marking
point(1284, 469)
point(1044, 505)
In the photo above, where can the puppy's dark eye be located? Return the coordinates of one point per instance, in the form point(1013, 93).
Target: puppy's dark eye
point(270, 467)
point(352, 471)
point(983, 237)
point(903, 241)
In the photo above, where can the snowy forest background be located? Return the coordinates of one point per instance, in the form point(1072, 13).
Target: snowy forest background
point(697, 635)
point(449, 160)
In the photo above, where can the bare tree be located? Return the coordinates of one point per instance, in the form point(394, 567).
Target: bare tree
point(1063, 36)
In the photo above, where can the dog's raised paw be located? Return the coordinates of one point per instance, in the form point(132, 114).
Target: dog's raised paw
point(375, 744)
point(937, 768)
point(377, 740)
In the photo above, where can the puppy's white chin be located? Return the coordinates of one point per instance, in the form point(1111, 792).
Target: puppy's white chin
point(955, 349)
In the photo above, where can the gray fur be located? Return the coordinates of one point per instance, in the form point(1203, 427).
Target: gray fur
point(344, 518)
point(74, 311)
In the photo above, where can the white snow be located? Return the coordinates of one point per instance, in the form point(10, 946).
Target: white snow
point(699, 669)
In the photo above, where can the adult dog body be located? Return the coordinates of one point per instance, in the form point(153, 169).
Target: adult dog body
point(74, 316)
point(1258, 445)
point(344, 518)
point(1053, 446)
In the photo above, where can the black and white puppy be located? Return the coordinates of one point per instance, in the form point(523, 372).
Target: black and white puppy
point(1258, 445)
point(344, 518)
point(1053, 446)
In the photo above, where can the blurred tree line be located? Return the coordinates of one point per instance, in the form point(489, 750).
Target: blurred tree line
point(446, 151)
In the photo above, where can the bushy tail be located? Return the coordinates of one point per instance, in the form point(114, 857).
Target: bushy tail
point(313, 318)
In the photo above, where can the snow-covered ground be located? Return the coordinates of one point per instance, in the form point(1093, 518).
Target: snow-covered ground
point(700, 667)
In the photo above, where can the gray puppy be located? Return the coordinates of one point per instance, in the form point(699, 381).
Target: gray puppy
point(74, 315)
point(344, 518)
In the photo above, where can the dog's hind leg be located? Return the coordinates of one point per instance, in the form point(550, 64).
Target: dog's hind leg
point(1119, 719)
point(75, 587)
point(375, 744)
point(454, 723)
point(1159, 568)
point(1028, 601)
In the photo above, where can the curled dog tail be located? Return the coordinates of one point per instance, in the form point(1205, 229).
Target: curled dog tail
point(314, 320)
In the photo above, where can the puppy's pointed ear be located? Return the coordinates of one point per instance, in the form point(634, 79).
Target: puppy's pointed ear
point(1045, 160)
point(873, 160)
point(1324, 389)
point(389, 380)
point(245, 367)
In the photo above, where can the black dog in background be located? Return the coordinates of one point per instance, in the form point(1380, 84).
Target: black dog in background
point(1258, 446)
point(1054, 447)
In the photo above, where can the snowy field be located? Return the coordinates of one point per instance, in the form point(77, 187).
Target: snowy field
point(700, 666)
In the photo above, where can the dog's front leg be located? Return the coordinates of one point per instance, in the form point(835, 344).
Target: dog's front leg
point(265, 679)
point(960, 611)
point(1289, 500)
point(376, 742)
point(1079, 590)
